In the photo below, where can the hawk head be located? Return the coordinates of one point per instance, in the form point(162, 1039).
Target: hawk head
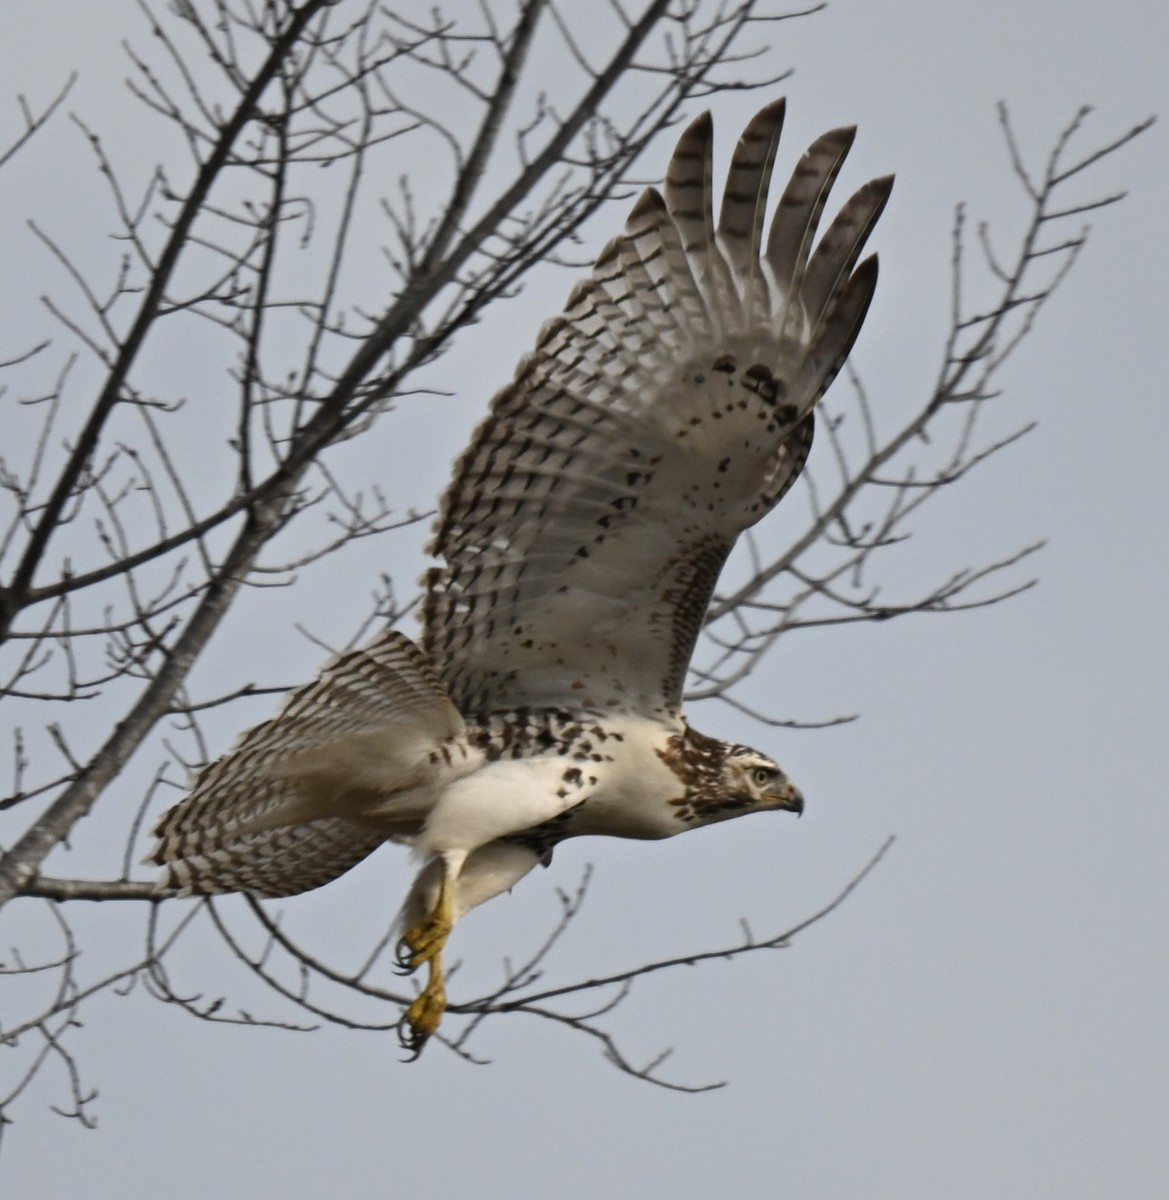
point(755, 782)
point(723, 780)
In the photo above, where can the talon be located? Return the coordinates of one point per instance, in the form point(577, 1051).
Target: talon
point(424, 1016)
point(411, 1040)
point(404, 956)
point(425, 941)
point(424, 944)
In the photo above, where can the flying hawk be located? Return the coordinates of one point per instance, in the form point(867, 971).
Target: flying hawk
point(667, 410)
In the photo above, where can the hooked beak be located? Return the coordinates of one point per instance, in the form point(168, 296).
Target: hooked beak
point(790, 798)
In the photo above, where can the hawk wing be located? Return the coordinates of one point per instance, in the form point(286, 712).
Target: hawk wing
point(288, 807)
point(666, 411)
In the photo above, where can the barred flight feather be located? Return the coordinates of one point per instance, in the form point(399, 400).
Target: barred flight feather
point(666, 411)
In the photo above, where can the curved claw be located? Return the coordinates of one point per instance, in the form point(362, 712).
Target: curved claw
point(423, 1017)
point(412, 1040)
point(405, 958)
point(424, 942)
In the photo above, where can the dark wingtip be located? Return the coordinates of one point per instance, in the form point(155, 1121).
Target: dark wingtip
point(866, 272)
point(845, 135)
point(774, 111)
point(650, 201)
point(699, 131)
point(703, 123)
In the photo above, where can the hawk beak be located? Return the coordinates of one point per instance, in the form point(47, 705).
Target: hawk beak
point(790, 799)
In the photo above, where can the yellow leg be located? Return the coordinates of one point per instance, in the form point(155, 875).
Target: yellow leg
point(424, 944)
point(424, 1016)
point(426, 940)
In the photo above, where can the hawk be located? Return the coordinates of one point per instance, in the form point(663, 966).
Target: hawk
point(667, 410)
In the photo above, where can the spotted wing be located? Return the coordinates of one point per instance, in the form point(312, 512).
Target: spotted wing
point(666, 411)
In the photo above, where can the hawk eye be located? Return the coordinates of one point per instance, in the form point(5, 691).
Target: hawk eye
point(763, 776)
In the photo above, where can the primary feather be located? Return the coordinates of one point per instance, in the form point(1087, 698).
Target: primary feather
point(667, 410)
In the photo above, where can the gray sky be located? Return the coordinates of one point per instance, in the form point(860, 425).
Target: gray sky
point(987, 1016)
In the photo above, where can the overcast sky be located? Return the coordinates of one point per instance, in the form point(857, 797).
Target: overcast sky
point(989, 1014)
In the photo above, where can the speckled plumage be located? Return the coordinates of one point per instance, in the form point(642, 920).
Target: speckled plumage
point(668, 409)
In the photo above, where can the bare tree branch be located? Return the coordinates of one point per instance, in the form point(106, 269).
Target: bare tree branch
point(145, 507)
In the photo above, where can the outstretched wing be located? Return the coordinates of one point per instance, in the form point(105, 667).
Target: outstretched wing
point(305, 796)
point(666, 411)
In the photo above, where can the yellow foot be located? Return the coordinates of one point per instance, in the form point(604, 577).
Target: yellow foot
point(425, 941)
point(424, 1016)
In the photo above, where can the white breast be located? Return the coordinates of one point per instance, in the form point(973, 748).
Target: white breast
point(626, 794)
point(501, 798)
